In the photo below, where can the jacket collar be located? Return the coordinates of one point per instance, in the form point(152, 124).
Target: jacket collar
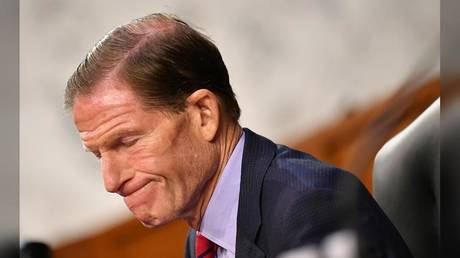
point(257, 155)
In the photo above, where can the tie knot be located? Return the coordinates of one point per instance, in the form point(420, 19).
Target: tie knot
point(205, 248)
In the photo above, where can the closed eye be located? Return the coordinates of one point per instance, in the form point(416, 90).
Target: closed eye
point(129, 141)
point(124, 142)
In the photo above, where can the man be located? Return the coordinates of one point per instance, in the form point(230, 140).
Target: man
point(153, 102)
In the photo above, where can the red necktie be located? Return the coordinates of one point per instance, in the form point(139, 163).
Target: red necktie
point(204, 247)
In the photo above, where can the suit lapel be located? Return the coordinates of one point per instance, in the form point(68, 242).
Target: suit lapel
point(257, 155)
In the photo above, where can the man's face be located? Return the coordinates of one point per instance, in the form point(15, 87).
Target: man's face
point(157, 161)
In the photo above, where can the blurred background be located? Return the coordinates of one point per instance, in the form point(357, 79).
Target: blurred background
point(334, 78)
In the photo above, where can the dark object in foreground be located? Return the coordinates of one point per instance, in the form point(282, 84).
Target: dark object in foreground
point(35, 250)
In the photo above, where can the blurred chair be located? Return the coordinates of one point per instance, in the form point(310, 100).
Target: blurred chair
point(406, 182)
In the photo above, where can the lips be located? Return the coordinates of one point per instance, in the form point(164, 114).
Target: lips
point(142, 198)
point(131, 186)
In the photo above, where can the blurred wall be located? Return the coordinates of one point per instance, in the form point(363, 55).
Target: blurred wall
point(294, 65)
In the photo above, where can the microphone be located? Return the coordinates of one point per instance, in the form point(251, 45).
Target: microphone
point(35, 250)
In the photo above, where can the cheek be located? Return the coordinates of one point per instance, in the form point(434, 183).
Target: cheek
point(147, 155)
point(145, 163)
point(173, 169)
point(184, 165)
point(198, 166)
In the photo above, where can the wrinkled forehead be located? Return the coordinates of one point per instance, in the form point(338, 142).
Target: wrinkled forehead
point(104, 100)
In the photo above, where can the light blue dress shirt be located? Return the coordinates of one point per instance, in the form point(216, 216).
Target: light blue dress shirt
point(219, 220)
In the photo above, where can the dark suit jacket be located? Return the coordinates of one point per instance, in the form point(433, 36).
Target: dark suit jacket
point(289, 199)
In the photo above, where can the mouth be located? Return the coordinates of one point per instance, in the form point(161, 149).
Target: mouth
point(130, 188)
point(141, 196)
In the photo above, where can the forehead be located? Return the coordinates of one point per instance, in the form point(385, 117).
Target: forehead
point(107, 98)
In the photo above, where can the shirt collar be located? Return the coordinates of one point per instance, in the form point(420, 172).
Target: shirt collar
point(223, 205)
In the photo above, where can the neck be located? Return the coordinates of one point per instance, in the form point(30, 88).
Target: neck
point(226, 142)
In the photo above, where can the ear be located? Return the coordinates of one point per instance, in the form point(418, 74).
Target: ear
point(204, 108)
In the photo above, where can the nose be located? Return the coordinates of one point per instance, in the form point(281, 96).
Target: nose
point(114, 171)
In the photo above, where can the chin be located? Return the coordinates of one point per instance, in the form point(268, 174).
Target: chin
point(150, 224)
point(151, 221)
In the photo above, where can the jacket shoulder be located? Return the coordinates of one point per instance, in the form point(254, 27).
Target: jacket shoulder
point(305, 199)
point(300, 171)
